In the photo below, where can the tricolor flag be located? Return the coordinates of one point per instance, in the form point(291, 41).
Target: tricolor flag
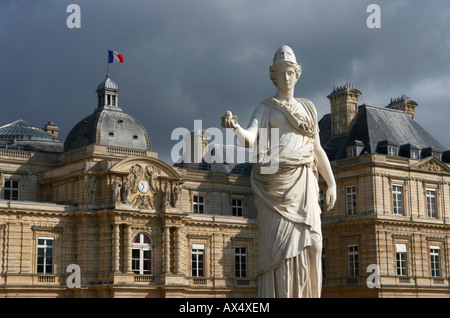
point(114, 56)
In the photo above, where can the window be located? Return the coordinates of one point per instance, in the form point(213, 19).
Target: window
point(141, 255)
point(11, 190)
point(237, 207)
point(240, 257)
point(392, 151)
point(199, 204)
point(198, 252)
point(435, 261)
point(351, 152)
point(351, 200)
point(353, 267)
point(401, 259)
point(414, 154)
point(397, 199)
point(45, 255)
point(431, 203)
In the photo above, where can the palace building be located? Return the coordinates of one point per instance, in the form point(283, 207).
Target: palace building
point(393, 201)
point(138, 227)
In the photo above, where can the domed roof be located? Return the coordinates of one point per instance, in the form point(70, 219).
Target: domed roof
point(108, 84)
point(21, 130)
point(108, 125)
point(108, 128)
point(21, 135)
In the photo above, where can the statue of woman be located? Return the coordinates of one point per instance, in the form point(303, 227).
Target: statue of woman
point(117, 185)
point(126, 191)
point(287, 198)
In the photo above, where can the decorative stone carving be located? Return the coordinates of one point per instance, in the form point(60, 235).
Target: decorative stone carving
point(90, 186)
point(430, 166)
point(126, 191)
point(116, 186)
point(177, 195)
point(167, 195)
point(142, 187)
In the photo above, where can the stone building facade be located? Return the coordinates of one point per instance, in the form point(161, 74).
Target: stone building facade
point(393, 205)
point(137, 227)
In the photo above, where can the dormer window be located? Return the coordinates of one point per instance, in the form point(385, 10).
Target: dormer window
point(351, 152)
point(355, 149)
point(388, 148)
point(436, 155)
point(392, 151)
point(414, 154)
point(430, 152)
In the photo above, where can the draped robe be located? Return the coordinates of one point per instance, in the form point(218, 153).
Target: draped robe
point(287, 201)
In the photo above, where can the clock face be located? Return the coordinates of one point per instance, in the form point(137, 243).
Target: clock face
point(143, 186)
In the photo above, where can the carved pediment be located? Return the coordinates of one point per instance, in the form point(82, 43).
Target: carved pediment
point(431, 164)
point(146, 183)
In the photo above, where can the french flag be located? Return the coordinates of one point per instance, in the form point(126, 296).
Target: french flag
point(114, 56)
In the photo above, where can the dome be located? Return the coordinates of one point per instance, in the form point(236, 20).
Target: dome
point(21, 130)
point(108, 128)
point(108, 125)
point(108, 84)
point(21, 135)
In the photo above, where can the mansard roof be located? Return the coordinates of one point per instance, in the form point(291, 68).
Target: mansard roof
point(373, 125)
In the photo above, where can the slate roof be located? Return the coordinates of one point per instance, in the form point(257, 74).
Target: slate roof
point(24, 136)
point(373, 125)
point(109, 128)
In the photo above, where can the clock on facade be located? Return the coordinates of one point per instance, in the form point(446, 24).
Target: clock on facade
point(143, 186)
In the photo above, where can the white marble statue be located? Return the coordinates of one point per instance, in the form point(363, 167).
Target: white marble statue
point(287, 201)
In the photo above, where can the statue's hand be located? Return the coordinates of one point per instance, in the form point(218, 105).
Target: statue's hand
point(229, 120)
point(331, 197)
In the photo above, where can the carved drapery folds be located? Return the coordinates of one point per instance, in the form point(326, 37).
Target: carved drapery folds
point(147, 187)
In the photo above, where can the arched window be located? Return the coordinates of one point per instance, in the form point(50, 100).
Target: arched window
point(141, 258)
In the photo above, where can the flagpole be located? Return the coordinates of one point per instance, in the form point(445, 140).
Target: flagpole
point(107, 63)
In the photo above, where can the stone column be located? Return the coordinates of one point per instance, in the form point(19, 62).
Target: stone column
point(116, 248)
point(167, 250)
point(127, 248)
point(178, 250)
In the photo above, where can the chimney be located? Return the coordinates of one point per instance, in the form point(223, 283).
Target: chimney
point(344, 106)
point(51, 128)
point(405, 104)
point(196, 144)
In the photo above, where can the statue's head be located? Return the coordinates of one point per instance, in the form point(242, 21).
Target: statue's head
point(284, 56)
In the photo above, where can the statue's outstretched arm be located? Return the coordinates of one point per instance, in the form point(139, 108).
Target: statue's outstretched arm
point(246, 137)
point(324, 168)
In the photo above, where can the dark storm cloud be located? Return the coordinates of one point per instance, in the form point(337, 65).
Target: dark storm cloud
point(187, 60)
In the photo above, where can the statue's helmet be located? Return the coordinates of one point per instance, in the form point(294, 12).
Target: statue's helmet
point(284, 54)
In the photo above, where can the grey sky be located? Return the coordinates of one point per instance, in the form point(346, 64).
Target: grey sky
point(189, 59)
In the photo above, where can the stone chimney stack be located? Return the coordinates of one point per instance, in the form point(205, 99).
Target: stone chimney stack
point(344, 106)
point(404, 103)
point(51, 128)
point(196, 144)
